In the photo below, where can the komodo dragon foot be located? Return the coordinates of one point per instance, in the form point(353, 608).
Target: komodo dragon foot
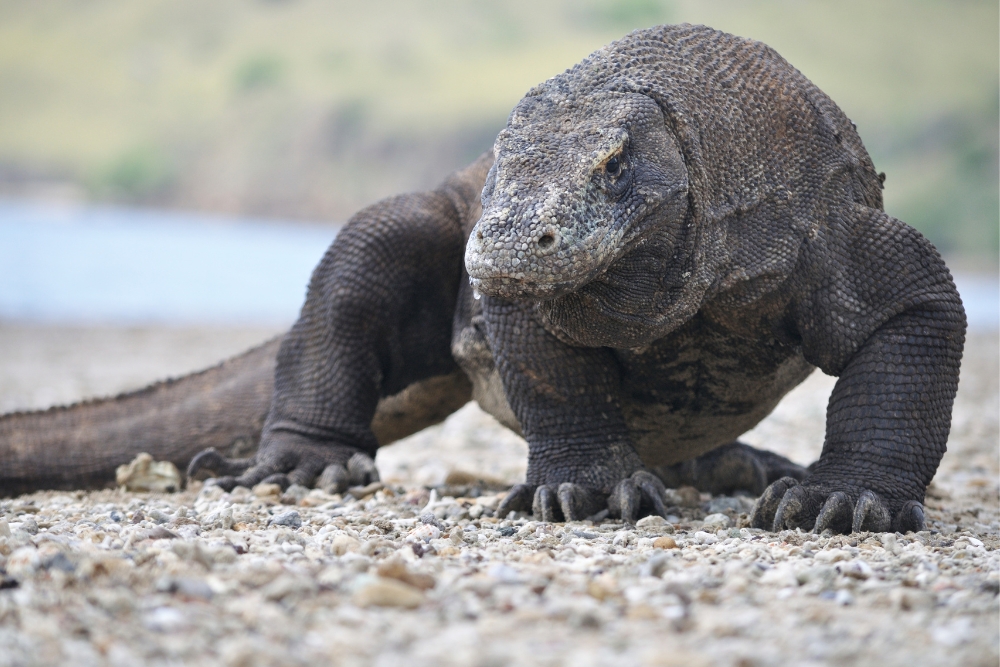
point(329, 467)
point(819, 506)
point(730, 468)
point(636, 496)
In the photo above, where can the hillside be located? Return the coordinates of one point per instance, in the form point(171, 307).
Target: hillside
point(308, 109)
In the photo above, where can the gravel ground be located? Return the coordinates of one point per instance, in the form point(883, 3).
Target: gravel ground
point(420, 572)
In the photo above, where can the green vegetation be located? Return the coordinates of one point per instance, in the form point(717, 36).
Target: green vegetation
point(141, 174)
point(310, 108)
point(259, 71)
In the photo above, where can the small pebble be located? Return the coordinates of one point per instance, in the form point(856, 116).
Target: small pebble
point(396, 568)
point(23, 562)
point(186, 587)
point(29, 525)
point(653, 522)
point(832, 556)
point(664, 542)
point(889, 542)
point(158, 516)
point(165, 619)
point(291, 518)
point(161, 533)
point(384, 592)
point(266, 490)
point(145, 474)
point(424, 532)
point(685, 496)
point(716, 522)
point(59, 561)
point(705, 538)
point(294, 494)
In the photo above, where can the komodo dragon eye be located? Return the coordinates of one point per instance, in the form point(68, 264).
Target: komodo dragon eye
point(613, 166)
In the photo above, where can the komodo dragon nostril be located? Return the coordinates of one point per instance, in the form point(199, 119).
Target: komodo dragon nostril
point(546, 241)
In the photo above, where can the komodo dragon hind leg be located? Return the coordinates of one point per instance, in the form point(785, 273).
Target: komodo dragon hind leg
point(369, 359)
point(730, 468)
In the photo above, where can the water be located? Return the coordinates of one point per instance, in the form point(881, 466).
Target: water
point(93, 264)
point(122, 266)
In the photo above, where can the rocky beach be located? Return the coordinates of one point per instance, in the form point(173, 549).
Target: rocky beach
point(418, 570)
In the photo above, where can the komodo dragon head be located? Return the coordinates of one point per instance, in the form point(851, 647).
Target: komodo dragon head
point(676, 166)
point(578, 182)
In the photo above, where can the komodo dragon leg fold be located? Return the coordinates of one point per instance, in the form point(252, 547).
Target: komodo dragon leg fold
point(377, 320)
point(566, 398)
point(889, 414)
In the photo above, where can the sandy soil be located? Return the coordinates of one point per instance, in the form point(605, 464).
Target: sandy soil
point(420, 572)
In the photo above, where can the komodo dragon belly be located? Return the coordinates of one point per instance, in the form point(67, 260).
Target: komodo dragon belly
point(694, 390)
point(701, 387)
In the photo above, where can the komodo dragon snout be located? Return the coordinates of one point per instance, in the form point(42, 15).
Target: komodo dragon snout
point(576, 184)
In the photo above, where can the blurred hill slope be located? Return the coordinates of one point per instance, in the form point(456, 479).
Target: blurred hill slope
point(301, 108)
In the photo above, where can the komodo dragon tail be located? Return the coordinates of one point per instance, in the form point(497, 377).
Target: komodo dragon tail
point(79, 446)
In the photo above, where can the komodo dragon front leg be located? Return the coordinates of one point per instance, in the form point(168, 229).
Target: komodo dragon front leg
point(876, 307)
point(886, 427)
point(566, 398)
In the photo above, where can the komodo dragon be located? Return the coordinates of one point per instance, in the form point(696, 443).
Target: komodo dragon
point(672, 235)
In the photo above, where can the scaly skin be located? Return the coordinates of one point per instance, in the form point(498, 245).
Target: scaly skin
point(673, 234)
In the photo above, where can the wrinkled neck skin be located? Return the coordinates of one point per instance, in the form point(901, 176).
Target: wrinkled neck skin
point(650, 291)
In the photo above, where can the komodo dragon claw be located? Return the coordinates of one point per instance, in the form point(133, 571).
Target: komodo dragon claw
point(786, 504)
point(211, 459)
point(638, 496)
point(632, 498)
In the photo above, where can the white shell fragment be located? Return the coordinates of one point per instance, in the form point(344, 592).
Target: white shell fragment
point(145, 474)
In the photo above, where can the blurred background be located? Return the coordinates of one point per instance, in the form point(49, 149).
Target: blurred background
point(188, 161)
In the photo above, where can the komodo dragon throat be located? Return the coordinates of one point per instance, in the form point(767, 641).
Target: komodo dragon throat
point(665, 239)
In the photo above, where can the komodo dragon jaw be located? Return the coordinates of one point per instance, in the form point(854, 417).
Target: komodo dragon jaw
point(577, 183)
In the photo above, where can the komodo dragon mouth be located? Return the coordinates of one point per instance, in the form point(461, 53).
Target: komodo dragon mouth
point(576, 184)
